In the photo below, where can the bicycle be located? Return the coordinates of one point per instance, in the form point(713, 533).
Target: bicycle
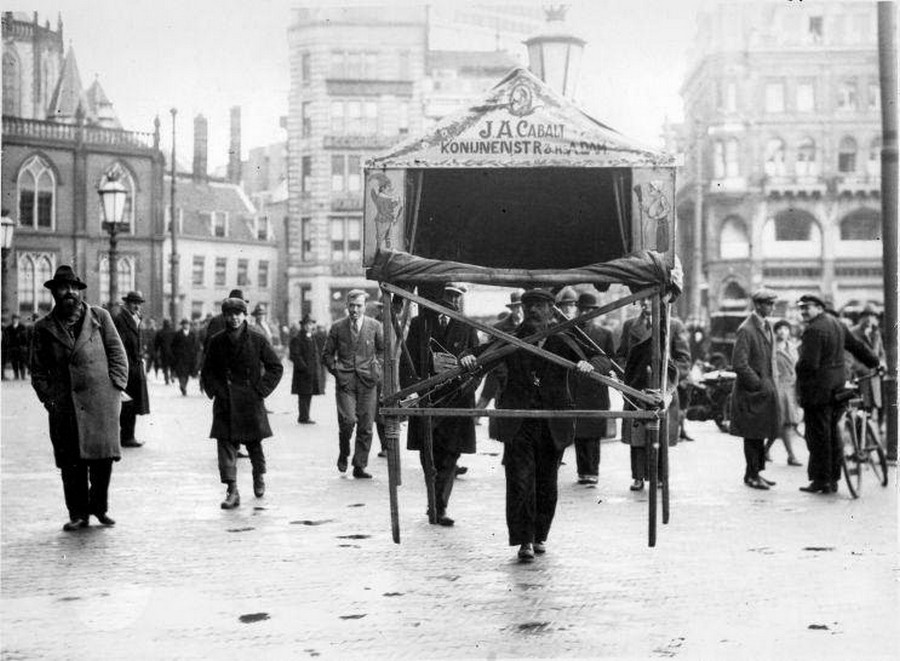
point(862, 444)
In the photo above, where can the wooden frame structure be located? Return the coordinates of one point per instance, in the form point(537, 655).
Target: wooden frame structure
point(432, 216)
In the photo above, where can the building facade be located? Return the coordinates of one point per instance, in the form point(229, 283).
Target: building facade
point(60, 144)
point(782, 144)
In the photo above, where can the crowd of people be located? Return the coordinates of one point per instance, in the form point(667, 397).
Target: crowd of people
point(88, 367)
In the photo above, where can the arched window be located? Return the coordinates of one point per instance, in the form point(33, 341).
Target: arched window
point(873, 165)
point(12, 84)
point(124, 281)
point(861, 225)
point(847, 155)
point(733, 240)
point(117, 170)
point(734, 297)
point(36, 186)
point(775, 157)
point(806, 158)
point(34, 269)
point(792, 233)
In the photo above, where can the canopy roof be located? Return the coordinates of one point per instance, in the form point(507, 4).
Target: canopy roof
point(522, 122)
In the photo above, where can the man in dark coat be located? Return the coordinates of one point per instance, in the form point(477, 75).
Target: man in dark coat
point(353, 354)
point(635, 354)
point(590, 395)
point(162, 349)
point(185, 347)
point(533, 447)
point(754, 397)
point(820, 375)
point(305, 354)
point(15, 347)
point(128, 323)
point(493, 385)
point(435, 343)
point(79, 370)
point(240, 370)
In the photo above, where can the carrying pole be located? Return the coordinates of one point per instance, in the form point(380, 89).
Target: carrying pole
point(666, 341)
point(652, 436)
point(391, 422)
point(427, 450)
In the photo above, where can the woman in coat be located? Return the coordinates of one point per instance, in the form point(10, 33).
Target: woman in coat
point(239, 371)
point(306, 381)
point(786, 385)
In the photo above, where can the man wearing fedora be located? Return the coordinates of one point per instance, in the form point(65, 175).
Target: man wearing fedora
point(820, 375)
point(78, 370)
point(128, 323)
point(533, 447)
point(305, 380)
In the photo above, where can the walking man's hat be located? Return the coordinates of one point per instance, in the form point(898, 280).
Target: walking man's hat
point(65, 275)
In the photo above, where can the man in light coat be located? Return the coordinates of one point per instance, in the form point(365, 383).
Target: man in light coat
point(754, 399)
point(353, 354)
point(78, 370)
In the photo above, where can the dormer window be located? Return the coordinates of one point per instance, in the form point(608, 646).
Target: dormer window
point(262, 228)
point(218, 223)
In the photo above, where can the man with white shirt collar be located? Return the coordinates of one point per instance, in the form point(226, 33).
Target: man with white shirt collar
point(353, 354)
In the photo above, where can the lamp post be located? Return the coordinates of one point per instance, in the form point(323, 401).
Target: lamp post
point(113, 196)
point(554, 56)
point(6, 239)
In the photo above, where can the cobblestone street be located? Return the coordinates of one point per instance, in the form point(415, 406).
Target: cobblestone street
point(310, 569)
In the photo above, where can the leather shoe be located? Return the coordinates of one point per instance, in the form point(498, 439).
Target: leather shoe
point(526, 553)
point(232, 499)
point(462, 470)
point(342, 464)
point(105, 520)
point(382, 454)
point(360, 474)
point(132, 443)
point(768, 482)
point(75, 524)
point(445, 521)
point(756, 483)
point(259, 486)
point(539, 548)
point(794, 462)
point(637, 485)
point(816, 487)
point(307, 422)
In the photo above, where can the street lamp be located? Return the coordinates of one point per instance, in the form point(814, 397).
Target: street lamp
point(113, 196)
point(6, 238)
point(554, 56)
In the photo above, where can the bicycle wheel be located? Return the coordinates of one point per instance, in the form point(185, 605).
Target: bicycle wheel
point(875, 453)
point(850, 458)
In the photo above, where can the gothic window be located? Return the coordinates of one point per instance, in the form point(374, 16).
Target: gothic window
point(120, 172)
point(775, 157)
point(34, 269)
point(861, 225)
point(125, 270)
point(733, 240)
point(847, 155)
point(806, 158)
point(12, 84)
point(37, 194)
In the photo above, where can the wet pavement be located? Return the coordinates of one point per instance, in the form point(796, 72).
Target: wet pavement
point(310, 569)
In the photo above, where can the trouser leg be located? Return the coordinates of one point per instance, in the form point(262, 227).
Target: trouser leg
point(346, 410)
point(257, 457)
point(227, 461)
point(547, 459)
point(366, 405)
point(75, 489)
point(818, 438)
point(638, 462)
point(303, 402)
point(182, 383)
point(100, 471)
point(754, 457)
point(587, 456)
point(835, 444)
point(444, 477)
point(519, 465)
point(127, 420)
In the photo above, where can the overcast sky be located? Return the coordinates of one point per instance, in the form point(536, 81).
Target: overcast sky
point(204, 56)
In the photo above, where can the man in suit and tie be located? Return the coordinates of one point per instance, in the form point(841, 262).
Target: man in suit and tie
point(128, 324)
point(353, 354)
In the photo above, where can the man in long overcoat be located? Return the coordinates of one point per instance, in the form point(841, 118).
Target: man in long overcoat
point(78, 370)
point(240, 370)
point(162, 350)
point(185, 347)
point(353, 354)
point(435, 343)
point(820, 375)
point(754, 397)
point(533, 447)
point(635, 354)
point(493, 384)
point(128, 323)
point(15, 347)
point(305, 353)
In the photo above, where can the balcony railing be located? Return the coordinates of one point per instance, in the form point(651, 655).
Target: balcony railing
point(18, 127)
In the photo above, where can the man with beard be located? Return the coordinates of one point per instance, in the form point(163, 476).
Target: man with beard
point(240, 370)
point(78, 370)
point(128, 323)
point(820, 375)
point(435, 343)
point(533, 447)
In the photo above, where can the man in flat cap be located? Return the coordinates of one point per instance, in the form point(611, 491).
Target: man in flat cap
point(533, 447)
point(353, 354)
point(79, 370)
point(754, 398)
point(820, 375)
point(128, 323)
point(435, 343)
point(240, 370)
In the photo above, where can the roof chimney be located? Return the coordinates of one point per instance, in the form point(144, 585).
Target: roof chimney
point(201, 139)
point(234, 150)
